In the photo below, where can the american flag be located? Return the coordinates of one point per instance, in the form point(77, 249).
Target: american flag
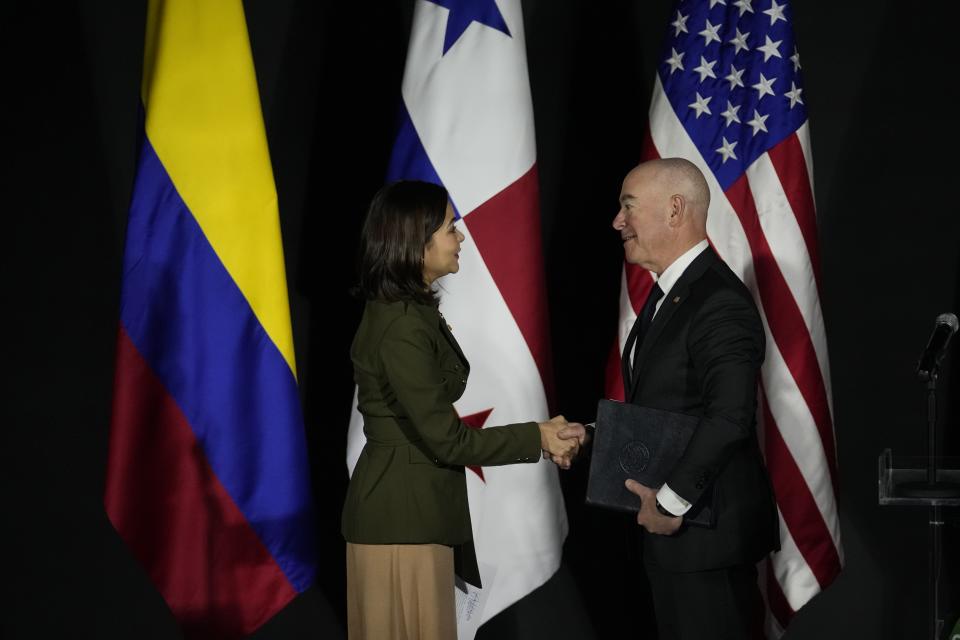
point(729, 97)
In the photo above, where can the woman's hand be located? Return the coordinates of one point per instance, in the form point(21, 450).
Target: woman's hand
point(561, 451)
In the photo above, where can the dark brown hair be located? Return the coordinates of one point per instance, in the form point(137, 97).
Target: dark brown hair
point(400, 222)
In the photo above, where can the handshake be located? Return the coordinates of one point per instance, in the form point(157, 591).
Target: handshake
point(561, 440)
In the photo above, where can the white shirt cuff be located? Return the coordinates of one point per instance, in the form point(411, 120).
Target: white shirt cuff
point(671, 501)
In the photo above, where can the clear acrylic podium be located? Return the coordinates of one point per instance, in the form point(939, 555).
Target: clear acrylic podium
point(896, 472)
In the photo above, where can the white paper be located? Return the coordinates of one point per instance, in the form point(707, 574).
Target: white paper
point(470, 603)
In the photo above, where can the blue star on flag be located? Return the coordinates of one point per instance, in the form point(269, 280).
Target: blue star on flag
point(463, 12)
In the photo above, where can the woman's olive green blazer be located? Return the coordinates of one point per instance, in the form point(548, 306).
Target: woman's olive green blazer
point(408, 486)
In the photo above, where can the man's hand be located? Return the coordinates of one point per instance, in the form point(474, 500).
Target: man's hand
point(575, 430)
point(648, 517)
point(561, 450)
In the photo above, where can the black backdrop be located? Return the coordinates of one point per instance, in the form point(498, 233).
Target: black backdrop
point(878, 85)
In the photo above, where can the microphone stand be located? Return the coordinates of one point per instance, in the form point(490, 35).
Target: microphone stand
point(933, 487)
point(932, 490)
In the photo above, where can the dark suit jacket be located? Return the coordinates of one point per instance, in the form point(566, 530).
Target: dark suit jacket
point(408, 486)
point(701, 356)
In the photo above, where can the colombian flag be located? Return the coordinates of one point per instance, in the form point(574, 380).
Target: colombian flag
point(207, 478)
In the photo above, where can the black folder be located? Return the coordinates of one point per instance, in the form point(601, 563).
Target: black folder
point(644, 444)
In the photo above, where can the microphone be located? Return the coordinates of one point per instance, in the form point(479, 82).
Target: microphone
point(946, 325)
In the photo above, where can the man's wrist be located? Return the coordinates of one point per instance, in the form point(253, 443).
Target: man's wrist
point(662, 510)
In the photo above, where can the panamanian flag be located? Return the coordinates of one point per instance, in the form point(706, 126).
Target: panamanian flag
point(466, 122)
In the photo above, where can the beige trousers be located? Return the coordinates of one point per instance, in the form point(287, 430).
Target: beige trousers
point(400, 592)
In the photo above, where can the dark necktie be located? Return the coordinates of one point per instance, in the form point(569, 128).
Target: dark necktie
point(644, 320)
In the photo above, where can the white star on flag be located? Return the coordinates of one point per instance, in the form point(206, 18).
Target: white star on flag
point(680, 24)
point(731, 113)
point(705, 69)
point(795, 58)
point(735, 77)
point(764, 87)
point(700, 106)
point(794, 95)
point(726, 150)
point(675, 60)
point(709, 33)
point(770, 49)
point(740, 42)
point(744, 6)
point(714, 3)
point(759, 122)
point(776, 12)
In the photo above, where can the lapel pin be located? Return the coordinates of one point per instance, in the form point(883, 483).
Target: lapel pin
point(676, 300)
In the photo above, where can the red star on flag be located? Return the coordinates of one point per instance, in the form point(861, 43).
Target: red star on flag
point(476, 421)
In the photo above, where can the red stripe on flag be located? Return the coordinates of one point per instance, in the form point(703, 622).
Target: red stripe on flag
point(613, 381)
point(506, 229)
point(639, 283)
point(170, 509)
point(791, 167)
point(785, 320)
point(797, 505)
point(777, 602)
point(648, 150)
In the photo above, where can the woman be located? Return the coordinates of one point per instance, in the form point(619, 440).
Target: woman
point(406, 519)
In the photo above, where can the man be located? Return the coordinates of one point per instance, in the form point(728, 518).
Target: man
point(696, 349)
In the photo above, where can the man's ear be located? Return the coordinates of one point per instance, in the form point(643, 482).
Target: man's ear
point(678, 210)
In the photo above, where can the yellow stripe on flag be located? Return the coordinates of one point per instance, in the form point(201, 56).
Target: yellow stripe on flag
point(204, 120)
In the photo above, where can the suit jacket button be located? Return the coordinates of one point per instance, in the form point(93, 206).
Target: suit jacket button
point(436, 461)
